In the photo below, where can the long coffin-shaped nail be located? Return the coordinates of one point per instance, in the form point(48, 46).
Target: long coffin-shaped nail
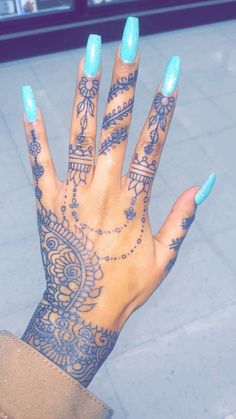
point(29, 103)
point(171, 75)
point(92, 55)
point(130, 37)
point(205, 190)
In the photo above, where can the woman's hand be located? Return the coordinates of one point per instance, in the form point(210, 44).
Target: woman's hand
point(100, 256)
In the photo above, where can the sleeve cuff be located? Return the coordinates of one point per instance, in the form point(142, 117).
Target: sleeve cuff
point(31, 386)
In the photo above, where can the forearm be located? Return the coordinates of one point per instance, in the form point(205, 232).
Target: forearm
point(79, 348)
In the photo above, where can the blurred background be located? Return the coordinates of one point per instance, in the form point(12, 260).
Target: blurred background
point(176, 356)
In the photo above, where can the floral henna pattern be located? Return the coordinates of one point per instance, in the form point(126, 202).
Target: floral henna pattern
point(72, 273)
point(67, 340)
point(163, 105)
point(122, 85)
point(88, 90)
point(81, 155)
point(71, 266)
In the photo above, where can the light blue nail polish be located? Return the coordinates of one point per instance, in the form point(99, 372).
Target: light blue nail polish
point(29, 103)
point(205, 190)
point(92, 55)
point(130, 37)
point(171, 75)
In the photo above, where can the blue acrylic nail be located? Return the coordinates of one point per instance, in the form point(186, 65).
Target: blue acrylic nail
point(171, 75)
point(92, 55)
point(29, 103)
point(205, 190)
point(129, 43)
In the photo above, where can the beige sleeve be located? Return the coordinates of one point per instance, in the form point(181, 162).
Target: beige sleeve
point(33, 387)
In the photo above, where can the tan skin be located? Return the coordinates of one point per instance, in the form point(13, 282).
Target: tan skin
point(127, 283)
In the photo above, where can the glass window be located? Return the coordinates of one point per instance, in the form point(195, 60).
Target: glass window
point(104, 2)
point(9, 8)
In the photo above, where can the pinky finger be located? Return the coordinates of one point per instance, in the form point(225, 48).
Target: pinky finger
point(44, 175)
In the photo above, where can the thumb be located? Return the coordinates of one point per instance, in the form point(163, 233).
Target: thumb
point(172, 233)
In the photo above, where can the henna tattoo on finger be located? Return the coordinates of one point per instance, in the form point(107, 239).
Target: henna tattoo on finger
point(163, 105)
point(118, 114)
point(122, 85)
point(176, 243)
point(88, 90)
point(186, 222)
point(141, 177)
point(115, 139)
point(170, 264)
point(81, 154)
point(37, 169)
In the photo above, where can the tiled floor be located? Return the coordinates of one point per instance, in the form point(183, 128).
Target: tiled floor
point(176, 357)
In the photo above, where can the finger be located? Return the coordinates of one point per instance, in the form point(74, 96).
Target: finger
point(120, 102)
point(148, 150)
point(172, 233)
point(44, 173)
point(84, 117)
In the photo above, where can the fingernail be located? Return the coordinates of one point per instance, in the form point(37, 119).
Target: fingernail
point(171, 75)
point(130, 37)
point(205, 190)
point(92, 55)
point(29, 103)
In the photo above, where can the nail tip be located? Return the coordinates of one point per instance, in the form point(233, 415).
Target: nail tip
point(206, 189)
point(171, 75)
point(129, 42)
point(92, 55)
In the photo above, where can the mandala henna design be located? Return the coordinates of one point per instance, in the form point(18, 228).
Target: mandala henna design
point(72, 273)
point(163, 105)
point(122, 85)
point(74, 345)
point(71, 265)
point(118, 114)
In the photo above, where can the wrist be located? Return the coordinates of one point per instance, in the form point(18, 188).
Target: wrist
point(74, 344)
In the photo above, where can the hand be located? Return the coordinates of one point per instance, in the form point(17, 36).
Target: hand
point(100, 256)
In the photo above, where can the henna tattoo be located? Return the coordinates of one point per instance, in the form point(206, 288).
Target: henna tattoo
point(141, 177)
point(71, 266)
point(37, 169)
point(88, 90)
point(163, 105)
point(118, 114)
point(115, 139)
point(170, 264)
point(72, 273)
point(176, 243)
point(80, 156)
point(74, 345)
point(122, 84)
point(132, 249)
point(186, 222)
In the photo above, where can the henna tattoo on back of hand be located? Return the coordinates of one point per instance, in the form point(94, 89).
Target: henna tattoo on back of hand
point(72, 273)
